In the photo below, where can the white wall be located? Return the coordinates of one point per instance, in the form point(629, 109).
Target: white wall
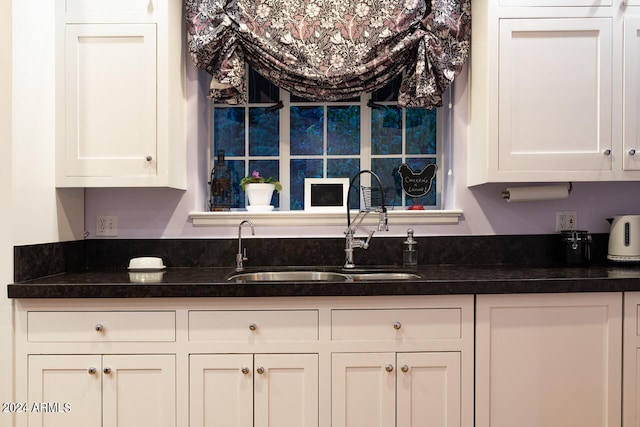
point(6, 248)
point(159, 213)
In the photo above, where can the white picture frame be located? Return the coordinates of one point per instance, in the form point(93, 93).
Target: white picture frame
point(326, 194)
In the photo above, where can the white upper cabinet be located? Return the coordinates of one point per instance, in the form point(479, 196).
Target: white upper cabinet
point(120, 104)
point(547, 97)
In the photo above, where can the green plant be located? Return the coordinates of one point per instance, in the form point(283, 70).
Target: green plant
point(257, 179)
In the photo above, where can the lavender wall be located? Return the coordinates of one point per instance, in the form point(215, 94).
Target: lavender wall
point(163, 213)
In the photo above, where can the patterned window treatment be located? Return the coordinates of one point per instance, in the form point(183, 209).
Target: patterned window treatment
point(326, 50)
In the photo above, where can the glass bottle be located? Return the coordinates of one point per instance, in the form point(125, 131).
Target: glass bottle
point(220, 191)
point(410, 252)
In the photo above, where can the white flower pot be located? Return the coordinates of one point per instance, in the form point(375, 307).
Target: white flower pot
point(259, 194)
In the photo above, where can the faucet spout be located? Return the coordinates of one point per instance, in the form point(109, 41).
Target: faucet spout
point(350, 241)
point(241, 256)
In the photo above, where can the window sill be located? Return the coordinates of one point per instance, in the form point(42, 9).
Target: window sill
point(301, 218)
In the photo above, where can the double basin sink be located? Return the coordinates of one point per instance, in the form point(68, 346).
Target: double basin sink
point(303, 275)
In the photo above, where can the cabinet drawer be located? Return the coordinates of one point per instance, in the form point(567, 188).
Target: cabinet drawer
point(101, 326)
point(110, 10)
point(409, 324)
point(266, 325)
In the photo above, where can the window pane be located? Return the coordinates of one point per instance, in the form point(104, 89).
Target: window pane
point(345, 168)
point(386, 130)
point(301, 169)
point(228, 134)
point(264, 132)
point(236, 167)
point(343, 130)
point(388, 92)
point(307, 124)
point(387, 170)
point(262, 90)
point(267, 168)
point(421, 131)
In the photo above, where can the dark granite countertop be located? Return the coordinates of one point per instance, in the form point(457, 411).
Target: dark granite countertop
point(436, 279)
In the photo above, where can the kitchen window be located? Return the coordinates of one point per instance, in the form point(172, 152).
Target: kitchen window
point(289, 138)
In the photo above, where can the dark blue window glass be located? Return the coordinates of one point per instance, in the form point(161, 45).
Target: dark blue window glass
point(345, 168)
point(386, 130)
point(307, 124)
point(387, 170)
point(264, 132)
point(421, 131)
point(262, 90)
point(343, 130)
point(301, 169)
point(267, 168)
point(236, 167)
point(228, 133)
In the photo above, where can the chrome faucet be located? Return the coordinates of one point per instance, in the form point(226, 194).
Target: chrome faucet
point(241, 256)
point(350, 241)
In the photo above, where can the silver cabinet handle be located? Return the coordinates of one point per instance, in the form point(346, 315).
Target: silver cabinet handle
point(253, 326)
point(107, 371)
point(404, 368)
point(245, 370)
point(389, 368)
point(149, 158)
point(632, 152)
point(260, 370)
point(99, 327)
point(91, 370)
point(397, 325)
point(607, 152)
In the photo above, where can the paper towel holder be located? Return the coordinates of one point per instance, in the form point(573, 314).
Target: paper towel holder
point(506, 194)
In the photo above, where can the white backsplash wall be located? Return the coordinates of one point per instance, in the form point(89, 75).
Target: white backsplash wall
point(163, 213)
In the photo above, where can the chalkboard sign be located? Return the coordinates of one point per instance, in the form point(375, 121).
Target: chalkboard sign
point(417, 184)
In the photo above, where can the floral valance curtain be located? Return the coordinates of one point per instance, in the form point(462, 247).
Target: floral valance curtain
point(326, 50)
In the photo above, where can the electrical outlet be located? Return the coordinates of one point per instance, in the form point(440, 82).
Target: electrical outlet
point(566, 220)
point(106, 225)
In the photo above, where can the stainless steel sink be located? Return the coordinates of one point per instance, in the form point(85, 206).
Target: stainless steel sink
point(384, 276)
point(319, 276)
point(289, 276)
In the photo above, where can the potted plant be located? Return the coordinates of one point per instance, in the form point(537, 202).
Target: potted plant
point(259, 190)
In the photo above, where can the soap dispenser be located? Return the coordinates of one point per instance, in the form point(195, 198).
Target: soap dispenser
point(410, 252)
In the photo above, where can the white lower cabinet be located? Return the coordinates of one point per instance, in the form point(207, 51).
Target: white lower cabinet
point(549, 360)
point(101, 390)
point(631, 361)
point(246, 390)
point(403, 389)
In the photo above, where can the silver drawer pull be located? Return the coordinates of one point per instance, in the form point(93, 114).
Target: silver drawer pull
point(107, 370)
point(404, 368)
point(260, 370)
point(632, 152)
point(99, 327)
point(92, 370)
point(607, 152)
point(389, 368)
point(149, 158)
point(397, 325)
point(245, 370)
point(253, 326)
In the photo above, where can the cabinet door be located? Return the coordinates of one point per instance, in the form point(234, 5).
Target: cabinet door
point(363, 389)
point(286, 390)
point(65, 379)
point(139, 390)
point(221, 390)
point(631, 93)
point(631, 360)
point(429, 389)
point(555, 95)
point(110, 101)
point(549, 360)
